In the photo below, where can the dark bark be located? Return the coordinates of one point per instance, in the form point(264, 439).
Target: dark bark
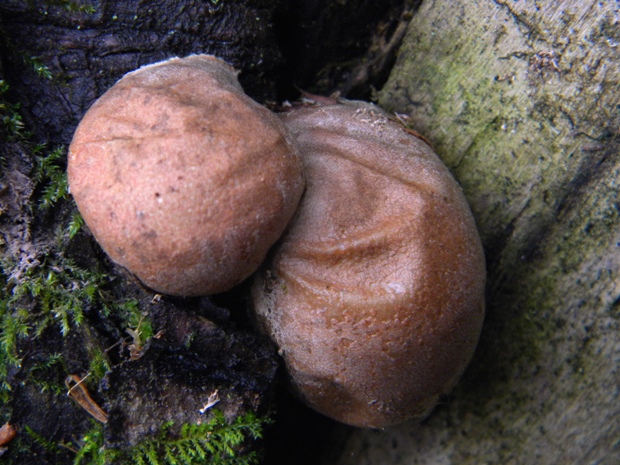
point(58, 58)
point(193, 358)
point(87, 52)
point(347, 47)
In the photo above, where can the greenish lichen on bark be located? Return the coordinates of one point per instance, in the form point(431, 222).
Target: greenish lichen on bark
point(523, 104)
point(520, 100)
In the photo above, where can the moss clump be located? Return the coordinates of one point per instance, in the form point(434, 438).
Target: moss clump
point(52, 292)
point(216, 442)
point(12, 127)
point(51, 176)
point(72, 6)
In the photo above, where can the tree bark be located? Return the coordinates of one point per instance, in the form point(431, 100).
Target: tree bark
point(58, 57)
point(87, 50)
point(520, 99)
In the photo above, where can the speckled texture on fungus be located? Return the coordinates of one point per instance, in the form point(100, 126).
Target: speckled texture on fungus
point(375, 296)
point(536, 150)
point(182, 178)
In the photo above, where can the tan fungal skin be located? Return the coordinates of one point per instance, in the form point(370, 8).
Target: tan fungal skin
point(375, 295)
point(184, 180)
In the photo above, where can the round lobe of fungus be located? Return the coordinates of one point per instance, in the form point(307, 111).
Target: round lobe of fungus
point(183, 179)
point(375, 295)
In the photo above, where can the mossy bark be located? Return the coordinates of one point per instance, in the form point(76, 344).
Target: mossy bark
point(56, 58)
point(521, 101)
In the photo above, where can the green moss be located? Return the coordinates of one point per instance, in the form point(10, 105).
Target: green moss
point(12, 127)
point(45, 289)
point(50, 176)
point(54, 294)
point(75, 224)
point(11, 329)
point(91, 450)
point(39, 67)
point(40, 440)
point(216, 442)
point(60, 290)
point(99, 363)
point(49, 375)
point(139, 328)
point(72, 6)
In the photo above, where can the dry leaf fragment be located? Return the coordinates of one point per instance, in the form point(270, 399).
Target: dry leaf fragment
point(79, 393)
point(7, 433)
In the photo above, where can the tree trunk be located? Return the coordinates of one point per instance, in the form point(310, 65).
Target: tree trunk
point(65, 310)
point(87, 46)
point(521, 101)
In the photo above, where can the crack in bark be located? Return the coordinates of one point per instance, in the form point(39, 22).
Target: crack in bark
point(520, 19)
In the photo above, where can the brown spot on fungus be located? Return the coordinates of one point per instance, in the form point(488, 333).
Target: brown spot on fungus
point(183, 179)
point(375, 295)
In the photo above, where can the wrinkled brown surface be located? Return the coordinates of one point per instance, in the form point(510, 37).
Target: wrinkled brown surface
point(86, 54)
point(375, 296)
point(182, 178)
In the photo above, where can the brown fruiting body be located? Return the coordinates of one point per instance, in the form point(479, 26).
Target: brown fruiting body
point(184, 180)
point(375, 296)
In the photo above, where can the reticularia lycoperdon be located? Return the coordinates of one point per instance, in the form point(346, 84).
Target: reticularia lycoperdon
point(375, 295)
point(183, 179)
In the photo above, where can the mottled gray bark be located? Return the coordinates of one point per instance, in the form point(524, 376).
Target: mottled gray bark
point(521, 100)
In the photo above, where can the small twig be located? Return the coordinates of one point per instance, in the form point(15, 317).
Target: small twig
point(72, 449)
point(113, 346)
point(77, 384)
point(83, 399)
